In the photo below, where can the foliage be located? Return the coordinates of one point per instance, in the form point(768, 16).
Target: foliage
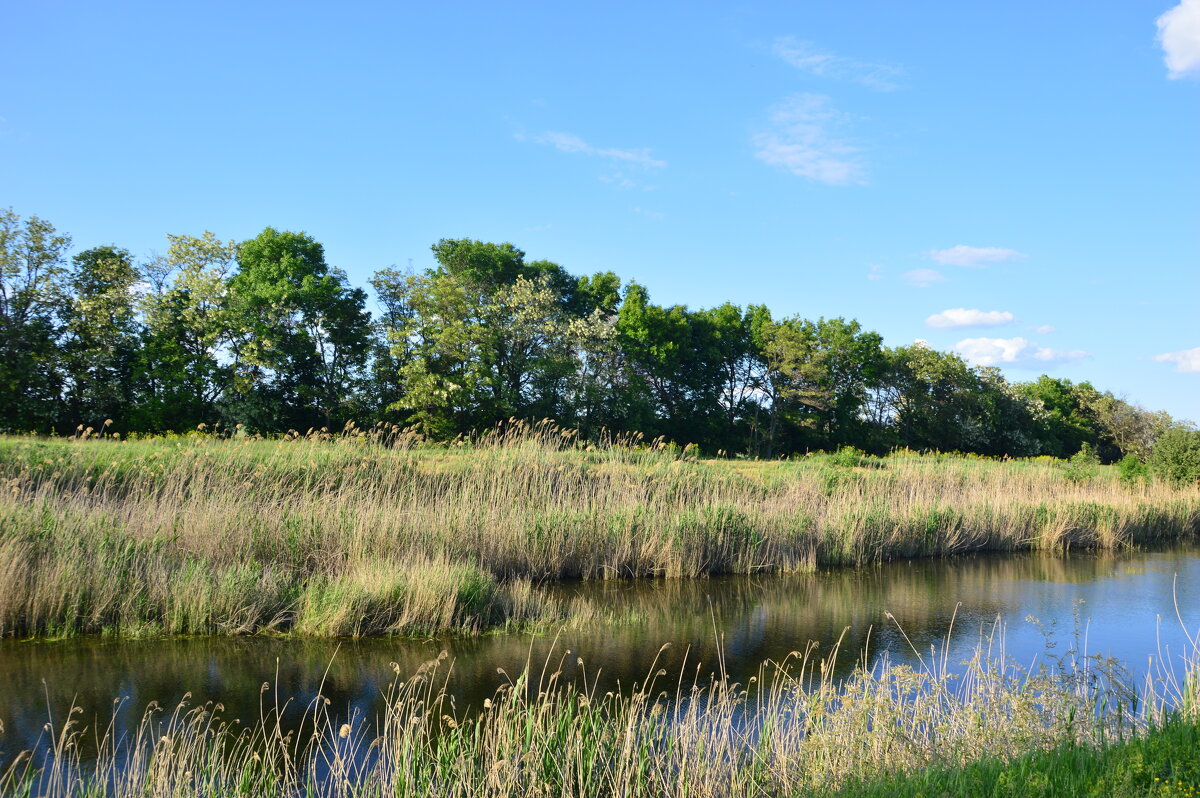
point(1083, 465)
point(1132, 470)
point(300, 334)
point(1176, 456)
point(268, 335)
point(32, 290)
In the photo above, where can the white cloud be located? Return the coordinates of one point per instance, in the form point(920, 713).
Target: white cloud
point(649, 214)
point(1184, 360)
point(1044, 329)
point(623, 181)
point(1179, 35)
point(974, 257)
point(806, 57)
point(1013, 352)
point(565, 142)
point(876, 272)
point(961, 317)
point(800, 139)
point(922, 278)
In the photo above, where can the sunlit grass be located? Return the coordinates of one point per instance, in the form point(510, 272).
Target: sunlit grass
point(377, 532)
point(794, 730)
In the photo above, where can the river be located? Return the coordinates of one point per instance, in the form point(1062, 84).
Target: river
point(1118, 605)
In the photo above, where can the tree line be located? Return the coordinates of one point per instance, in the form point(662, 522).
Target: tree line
point(267, 335)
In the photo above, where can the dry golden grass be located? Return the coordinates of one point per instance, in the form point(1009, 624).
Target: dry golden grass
point(792, 731)
point(372, 533)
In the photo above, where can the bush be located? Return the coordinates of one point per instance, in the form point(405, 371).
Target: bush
point(1083, 465)
point(1132, 470)
point(850, 457)
point(1176, 456)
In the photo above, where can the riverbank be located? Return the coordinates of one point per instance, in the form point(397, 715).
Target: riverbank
point(346, 537)
point(793, 730)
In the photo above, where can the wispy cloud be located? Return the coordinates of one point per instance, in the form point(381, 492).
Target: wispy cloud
point(1184, 360)
point(1044, 329)
point(801, 139)
point(962, 317)
point(649, 214)
point(621, 180)
point(876, 272)
point(1018, 351)
point(566, 142)
point(974, 257)
point(809, 58)
point(1179, 35)
point(923, 278)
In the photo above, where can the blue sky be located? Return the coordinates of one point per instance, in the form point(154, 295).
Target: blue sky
point(1019, 181)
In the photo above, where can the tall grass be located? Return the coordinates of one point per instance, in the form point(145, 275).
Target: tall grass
point(377, 532)
point(794, 730)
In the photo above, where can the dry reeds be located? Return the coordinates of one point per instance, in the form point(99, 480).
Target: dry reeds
point(792, 731)
point(377, 531)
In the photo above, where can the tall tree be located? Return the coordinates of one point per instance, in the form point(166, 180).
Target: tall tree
point(187, 330)
point(303, 334)
point(486, 336)
point(818, 379)
point(674, 354)
point(32, 291)
point(100, 337)
point(1068, 420)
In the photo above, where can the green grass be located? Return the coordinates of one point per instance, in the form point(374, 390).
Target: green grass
point(1163, 762)
point(346, 536)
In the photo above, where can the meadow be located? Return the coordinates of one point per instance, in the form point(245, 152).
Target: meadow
point(377, 532)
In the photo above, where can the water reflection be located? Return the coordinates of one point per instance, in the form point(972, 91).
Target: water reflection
point(1117, 598)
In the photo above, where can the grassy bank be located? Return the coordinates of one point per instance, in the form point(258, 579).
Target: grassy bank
point(350, 537)
point(985, 728)
point(1163, 762)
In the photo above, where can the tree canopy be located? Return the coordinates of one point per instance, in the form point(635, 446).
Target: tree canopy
point(267, 335)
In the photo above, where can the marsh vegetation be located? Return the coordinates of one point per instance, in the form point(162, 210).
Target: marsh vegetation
point(793, 729)
point(347, 536)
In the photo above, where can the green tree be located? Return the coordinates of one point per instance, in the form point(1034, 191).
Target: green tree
point(730, 352)
point(1128, 429)
point(819, 378)
point(100, 337)
point(186, 330)
point(32, 291)
point(1068, 420)
point(303, 335)
point(933, 399)
point(485, 336)
point(1176, 455)
point(671, 354)
point(392, 349)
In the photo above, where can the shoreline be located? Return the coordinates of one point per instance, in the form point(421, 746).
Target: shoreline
point(341, 538)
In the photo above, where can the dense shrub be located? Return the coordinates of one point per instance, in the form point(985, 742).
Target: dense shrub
point(1176, 456)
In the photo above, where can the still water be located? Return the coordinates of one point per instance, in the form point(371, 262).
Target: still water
point(1112, 604)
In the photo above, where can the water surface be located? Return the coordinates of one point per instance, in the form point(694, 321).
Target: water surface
point(1112, 604)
